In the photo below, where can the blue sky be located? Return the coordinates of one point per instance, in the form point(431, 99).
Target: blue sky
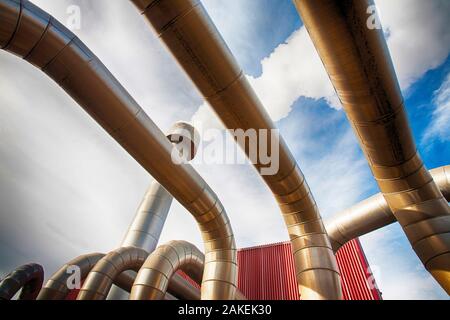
point(68, 189)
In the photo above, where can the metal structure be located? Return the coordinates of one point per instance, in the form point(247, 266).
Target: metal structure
point(35, 36)
point(358, 63)
point(361, 70)
point(107, 269)
point(56, 287)
point(146, 228)
point(188, 32)
point(28, 277)
point(153, 278)
point(373, 213)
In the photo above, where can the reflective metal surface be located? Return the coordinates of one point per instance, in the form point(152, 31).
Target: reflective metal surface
point(101, 277)
point(37, 37)
point(28, 277)
point(190, 35)
point(373, 213)
point(146, 228)
point(358, 63)
point(56, 287)
point(153, 278)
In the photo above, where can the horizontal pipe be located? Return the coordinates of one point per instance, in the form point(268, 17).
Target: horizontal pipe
point(357, 60)
point(153, 278)
point(107, 269)
point(188, 32)
point(373, 213)
point(40, 39)
point(28, 277)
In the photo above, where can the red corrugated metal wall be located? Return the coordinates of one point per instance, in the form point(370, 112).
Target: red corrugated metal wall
point(267, 273)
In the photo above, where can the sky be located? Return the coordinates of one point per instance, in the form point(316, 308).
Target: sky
point(67, 188)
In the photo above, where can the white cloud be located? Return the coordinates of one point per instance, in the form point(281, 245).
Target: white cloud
point(440, 122)
point(419, 40)
point(419, 37)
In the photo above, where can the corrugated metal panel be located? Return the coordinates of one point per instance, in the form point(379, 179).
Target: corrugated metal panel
point(267, 273)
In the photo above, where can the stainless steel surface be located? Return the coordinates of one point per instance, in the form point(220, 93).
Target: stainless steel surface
point(373, 213)
point(359, 65)
point(107, 269)
point(188, 32)
point(153, 278)
point(56, 287)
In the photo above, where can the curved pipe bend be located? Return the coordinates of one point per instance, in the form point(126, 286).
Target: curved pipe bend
point(34, 35)
point(56, 287)
point(28, 277)
point(153, 278)
point(188, 32)
point(107, 269)
point(358, 63)
point(373, 213)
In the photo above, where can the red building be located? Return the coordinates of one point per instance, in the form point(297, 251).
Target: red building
point(267, 273)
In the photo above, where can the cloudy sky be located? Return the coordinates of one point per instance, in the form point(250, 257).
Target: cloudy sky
point(67, 188)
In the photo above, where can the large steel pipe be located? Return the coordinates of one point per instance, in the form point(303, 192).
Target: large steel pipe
point(32, 34)
point(57, 288)
point(153, 278)
point(357, 59)
point(28, 277)
point(190, 35)
point(107, 269)
point(147, 225)
point(373, 213)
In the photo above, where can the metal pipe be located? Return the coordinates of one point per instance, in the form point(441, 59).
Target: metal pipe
point(146, 228)
point(57, 288)
point(190, 35)
point(358, 63)
point(101, 277)
point(28, 277)
point(153, 278)
point(182, 289)
point(373, 213)
point(34, 35)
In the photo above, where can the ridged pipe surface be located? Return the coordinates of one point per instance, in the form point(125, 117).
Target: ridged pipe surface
point(56, 287)
point(107, 269)
point(190, 35)
point(373, 213)
point(28, 277)
point(34, 35)
point(153, 278)
point(358, 63)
